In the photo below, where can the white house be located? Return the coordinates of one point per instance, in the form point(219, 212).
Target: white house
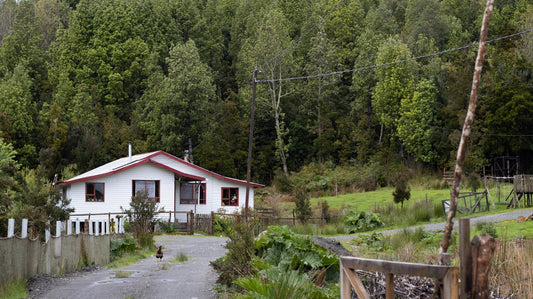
point(175, 183)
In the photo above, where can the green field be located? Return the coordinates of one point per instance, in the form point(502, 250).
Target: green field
point(366, 201)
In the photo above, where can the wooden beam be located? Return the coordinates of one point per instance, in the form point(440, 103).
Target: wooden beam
point(465, 256)
point(355, 282)
point(396, 268)
point(389, 286)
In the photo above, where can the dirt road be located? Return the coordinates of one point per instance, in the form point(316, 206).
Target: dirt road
point(151, 279)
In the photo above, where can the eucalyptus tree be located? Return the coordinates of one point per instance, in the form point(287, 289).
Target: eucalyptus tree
point(270, 38)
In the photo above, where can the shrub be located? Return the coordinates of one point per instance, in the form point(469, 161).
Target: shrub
point(361, 221)
point(142, 217)
point(223, 223)
point(487, 228)
point(237, 261)
point(121, 246)
point(402, 192)
point(303, 205)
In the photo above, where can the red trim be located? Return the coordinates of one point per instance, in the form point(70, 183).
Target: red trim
point(148, 159)
point(190, 176)
point(204, 170)
point(94, 187)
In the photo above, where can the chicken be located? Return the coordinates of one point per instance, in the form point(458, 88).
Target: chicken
point(159, 254)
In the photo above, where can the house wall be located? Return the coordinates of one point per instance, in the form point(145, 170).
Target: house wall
point(214, 187)
point(118, 190)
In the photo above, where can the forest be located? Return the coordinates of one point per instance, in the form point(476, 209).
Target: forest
point(80, 79)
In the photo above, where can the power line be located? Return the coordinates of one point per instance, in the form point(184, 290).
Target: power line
point(392, 63)
point(302, 36)
point(483, 134)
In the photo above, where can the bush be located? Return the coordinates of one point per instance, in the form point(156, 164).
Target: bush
point(361, 221)
point(223, 223)
point(237, 261)
point(402, 192)
point(487, 228)
point(303, 205)
point(142, 217)
point(121, 246)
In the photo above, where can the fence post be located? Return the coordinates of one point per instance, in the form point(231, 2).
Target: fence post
point(77, 226)
point(90, 226)
point(58, 228)
point(191, 223)
point(47, 233)
point(482, 249)
point(24, 232)
point(389, 286)
point(465, 256)
point(10, 227)
point(69, 227)
point(212, 226)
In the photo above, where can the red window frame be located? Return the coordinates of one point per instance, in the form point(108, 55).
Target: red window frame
point(93, 196)
point(230, 196)
point(157, 189)
point(192, 201)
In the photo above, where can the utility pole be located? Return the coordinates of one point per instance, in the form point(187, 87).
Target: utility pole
point(250, 144)
point(467, 128)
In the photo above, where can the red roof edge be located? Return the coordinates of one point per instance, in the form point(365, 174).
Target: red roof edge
point(255, 185)
point(148, 159)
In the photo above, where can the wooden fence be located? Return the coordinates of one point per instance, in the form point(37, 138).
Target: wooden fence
point(118, 224)
point(349, 278)
point(469, 203)
point(475, 263)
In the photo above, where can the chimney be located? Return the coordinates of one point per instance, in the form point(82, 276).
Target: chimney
point(187, 156)
point(129, 151)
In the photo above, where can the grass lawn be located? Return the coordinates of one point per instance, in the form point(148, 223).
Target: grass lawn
point(365, 201)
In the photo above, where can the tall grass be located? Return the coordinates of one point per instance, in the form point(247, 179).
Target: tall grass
point(512, 269)
point(420, 211)
point(13, 290)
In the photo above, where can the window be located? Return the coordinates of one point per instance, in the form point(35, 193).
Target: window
point(150, 187)
point(230, 196)
point(191, 192)
point(94, 192)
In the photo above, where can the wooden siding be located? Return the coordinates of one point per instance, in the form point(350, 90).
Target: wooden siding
point(118, 190)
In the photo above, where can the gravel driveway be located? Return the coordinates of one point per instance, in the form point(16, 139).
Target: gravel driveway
point(149, 278)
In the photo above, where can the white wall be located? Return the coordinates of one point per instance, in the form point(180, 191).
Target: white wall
point(118, 191)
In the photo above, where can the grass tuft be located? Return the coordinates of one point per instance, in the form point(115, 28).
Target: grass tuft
point(14, 290)
point(180, 258)
point(123, 274)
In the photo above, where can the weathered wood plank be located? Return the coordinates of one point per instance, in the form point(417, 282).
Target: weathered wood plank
point(355, 282)
point(396, 268)
point(389, 286)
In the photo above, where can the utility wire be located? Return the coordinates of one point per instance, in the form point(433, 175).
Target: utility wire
point(302, 36)
point(392, 63)
point(483, 134)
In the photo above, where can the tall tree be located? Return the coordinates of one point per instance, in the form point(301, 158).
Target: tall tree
point(322, 59)
point(417, 118)
point(395, 82)
point(174, 110)
point(18, 111)
point(271, 38)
